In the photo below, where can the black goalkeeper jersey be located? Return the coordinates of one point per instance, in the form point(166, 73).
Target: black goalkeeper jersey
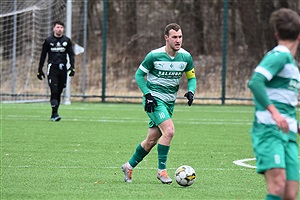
point(57, 49)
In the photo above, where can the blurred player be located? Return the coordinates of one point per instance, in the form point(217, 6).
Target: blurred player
point(57, 46)
point(275, 85)
point(163, 68)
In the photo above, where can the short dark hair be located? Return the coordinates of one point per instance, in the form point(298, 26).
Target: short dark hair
point(286, 23)
point(58, 22)
point(171, 26)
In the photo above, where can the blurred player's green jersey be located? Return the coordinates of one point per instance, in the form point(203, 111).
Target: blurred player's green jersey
point(281, 71)
point(164, 73)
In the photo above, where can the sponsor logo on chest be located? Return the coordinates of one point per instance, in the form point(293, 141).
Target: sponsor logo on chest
point(58, 47)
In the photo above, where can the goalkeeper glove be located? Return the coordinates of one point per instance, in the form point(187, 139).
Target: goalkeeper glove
point(150, 103)
point(40, 75)
point(190, 97)
point(72, 71)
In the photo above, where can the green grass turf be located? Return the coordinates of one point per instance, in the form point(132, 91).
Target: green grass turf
point(80, 157)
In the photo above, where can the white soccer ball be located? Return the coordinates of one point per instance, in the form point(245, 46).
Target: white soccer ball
point(185, 175)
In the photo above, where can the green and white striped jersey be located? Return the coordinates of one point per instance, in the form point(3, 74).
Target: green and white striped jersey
point(280, 69)
point(164, 73)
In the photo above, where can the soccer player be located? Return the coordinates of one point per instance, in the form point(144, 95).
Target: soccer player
point(275, 85)
point(163, 68)
point(57, 46)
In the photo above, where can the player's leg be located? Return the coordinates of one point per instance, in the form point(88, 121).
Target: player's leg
point(269, 148)
point(292, 171)
point(53, 84)
point(291, 190)
point(62, 80)
point(141, 151)
point(276, 180)
point(163, 147)
point(161, 117)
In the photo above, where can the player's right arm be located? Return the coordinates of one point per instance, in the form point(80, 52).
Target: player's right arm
point(142, 71)
point(258, 87)
point(40, 73)
point(43, 55)
point(140, 80)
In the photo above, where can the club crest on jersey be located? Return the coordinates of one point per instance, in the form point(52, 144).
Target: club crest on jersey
point(65, 44)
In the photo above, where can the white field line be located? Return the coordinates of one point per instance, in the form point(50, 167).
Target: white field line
point(127, 120)
point(243, 164)
point(115, 167)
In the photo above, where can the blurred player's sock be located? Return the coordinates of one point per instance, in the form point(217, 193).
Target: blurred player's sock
point(273, 197)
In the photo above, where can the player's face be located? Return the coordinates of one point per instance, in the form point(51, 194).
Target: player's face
point(174, 40)
point(58, 30)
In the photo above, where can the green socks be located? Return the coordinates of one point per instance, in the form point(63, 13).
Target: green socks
point(273, 197)
point(138, 156)
point(162, 151)
point(140, 153)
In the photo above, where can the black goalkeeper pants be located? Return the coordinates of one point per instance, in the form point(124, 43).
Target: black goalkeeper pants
point(57, 78)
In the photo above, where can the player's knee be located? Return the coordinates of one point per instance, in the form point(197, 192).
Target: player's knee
point(148, 144)
point(53, 88)
point(54, 102)
point(169, 132)
point(278, 188)
point(152, 143)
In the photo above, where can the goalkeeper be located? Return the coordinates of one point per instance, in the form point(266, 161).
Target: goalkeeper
point(57, 46)
point(164, 68)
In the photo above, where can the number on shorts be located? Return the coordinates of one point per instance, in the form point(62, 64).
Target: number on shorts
point(162, 115)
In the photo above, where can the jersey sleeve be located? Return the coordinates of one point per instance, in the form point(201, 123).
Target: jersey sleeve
point(147, 63)
point(258, 88)
point(192, 83)
point(43, 54)
point(190, 74)
point(142, 71)
point(271, 65)
point(71, 53)
point(140, 80)
point(190, 63)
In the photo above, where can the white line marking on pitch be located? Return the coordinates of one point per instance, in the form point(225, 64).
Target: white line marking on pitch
point(243, 164)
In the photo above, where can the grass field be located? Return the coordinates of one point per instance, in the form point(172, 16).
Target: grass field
point(80, 157)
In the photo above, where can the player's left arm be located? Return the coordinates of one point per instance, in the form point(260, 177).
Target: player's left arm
point(192, 81)
point(71, 54)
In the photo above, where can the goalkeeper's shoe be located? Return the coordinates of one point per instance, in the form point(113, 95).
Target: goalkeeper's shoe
point(127, 173)
point(55, 117)
point(164, 177)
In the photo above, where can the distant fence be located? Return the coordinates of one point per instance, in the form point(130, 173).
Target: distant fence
point(116, 36)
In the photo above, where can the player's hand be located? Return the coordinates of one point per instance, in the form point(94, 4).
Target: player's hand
point(40, 75)
point(281, 122)
point(71, 71)
point(190, 97)
point(150, 103)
